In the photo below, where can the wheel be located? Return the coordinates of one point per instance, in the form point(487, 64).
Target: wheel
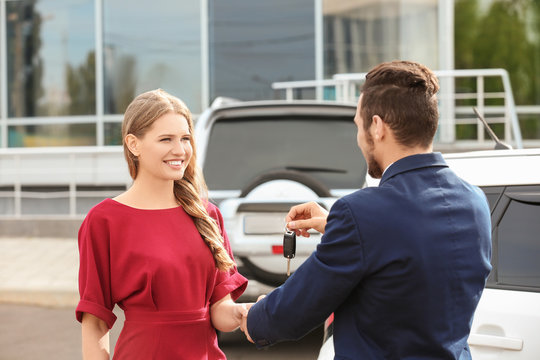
point(266, 277)
point(307, 180)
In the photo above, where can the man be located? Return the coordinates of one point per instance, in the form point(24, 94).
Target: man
point(402, 266)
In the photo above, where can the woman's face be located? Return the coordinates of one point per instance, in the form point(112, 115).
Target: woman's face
point(165, 150)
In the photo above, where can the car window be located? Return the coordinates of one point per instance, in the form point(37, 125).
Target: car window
point(516, 238)
point(323, 147)
point(493, 193)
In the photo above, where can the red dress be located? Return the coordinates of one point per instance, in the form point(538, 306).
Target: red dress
point(156, 267)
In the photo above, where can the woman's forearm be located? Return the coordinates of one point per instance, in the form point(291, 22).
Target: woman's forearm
point(226, 315)
point(95, 338)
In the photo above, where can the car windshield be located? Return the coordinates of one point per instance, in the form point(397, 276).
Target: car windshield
point(323, 147)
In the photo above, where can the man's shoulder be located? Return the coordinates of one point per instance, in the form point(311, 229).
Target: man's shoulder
point(365, 196)
point(366, 200)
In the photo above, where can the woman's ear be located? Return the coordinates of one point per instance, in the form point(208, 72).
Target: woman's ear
point(132, 144)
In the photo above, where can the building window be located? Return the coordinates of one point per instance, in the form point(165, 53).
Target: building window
point(148, 46)
point(52, 135)
point(361, 34)
point(255, 43)
point(113, 133)
point(50, 57)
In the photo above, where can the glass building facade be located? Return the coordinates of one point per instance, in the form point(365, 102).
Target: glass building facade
point(68, 68)
point(361, 34)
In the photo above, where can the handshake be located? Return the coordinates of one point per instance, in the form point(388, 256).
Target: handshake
point(242, 316)
point(300, 219)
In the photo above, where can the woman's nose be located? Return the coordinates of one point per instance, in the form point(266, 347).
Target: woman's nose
point(179, 148)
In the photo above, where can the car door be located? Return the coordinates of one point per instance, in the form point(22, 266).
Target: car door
point(507, 321)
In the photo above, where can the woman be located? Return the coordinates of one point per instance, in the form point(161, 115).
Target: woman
point(158, 250)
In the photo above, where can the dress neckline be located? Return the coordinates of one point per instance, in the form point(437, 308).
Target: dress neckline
point(141, 209)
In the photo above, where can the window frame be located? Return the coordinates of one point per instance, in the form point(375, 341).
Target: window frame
point(520, 193)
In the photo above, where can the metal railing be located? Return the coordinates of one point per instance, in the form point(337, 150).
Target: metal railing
point(73, 178)
point(31, 179)
point(347, 87)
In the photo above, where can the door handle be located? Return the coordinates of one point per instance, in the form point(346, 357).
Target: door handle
point(499, 342)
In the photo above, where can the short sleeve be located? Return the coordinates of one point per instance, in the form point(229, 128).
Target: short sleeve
point(94, 270)
point(230, 282)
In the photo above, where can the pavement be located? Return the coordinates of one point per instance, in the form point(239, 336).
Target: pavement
point(31, 332)
point(39, 271)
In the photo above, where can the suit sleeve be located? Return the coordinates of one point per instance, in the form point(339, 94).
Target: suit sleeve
point(94, 271)
point(316, 288)
point(231, 282)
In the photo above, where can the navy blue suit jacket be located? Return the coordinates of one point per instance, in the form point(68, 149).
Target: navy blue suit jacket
point(401, 265)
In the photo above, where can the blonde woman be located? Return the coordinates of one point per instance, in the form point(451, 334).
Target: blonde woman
point(159, 250)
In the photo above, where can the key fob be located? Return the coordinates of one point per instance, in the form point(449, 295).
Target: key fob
point(289, 244)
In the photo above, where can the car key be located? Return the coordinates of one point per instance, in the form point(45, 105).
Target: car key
point(289, 248)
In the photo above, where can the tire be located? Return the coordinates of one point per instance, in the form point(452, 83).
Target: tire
point(307, 180)
point(266, 277)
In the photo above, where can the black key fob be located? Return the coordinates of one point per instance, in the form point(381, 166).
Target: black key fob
point(289, 244)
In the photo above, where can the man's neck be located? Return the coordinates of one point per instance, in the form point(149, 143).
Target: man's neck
point(397, 152)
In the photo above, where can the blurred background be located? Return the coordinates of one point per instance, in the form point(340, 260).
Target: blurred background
point(69, 68)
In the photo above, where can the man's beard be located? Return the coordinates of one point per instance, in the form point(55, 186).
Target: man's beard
point(374, 169)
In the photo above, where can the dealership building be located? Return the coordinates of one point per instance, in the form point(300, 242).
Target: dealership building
point(69, 68)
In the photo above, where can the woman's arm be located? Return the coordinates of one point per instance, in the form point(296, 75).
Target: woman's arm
point(227, 315)
point(95, 338)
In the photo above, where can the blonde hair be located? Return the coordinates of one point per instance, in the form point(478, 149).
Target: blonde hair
point(189, 191)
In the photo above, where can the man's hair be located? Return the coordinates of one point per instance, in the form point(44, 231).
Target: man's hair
point(403, 94)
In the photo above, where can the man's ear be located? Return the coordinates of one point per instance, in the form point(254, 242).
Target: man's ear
point(132, 144)
point(379, 128)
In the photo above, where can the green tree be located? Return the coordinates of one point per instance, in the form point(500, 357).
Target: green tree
point(502, 41)
point(535, 28)
point(81, 86)
point(25, 66)
point(125, 82)
point(465, 30)
point(506, 36)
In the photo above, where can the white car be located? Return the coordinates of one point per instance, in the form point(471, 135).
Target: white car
point(261, 158)
point(506, 323)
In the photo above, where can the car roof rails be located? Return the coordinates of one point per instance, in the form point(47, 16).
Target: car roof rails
point(499, 145)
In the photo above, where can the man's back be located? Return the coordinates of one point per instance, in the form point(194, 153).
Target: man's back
point(403, 265)
point(425, 238)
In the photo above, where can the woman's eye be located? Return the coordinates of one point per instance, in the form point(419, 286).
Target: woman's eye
point(165, 139)
point(186, 138)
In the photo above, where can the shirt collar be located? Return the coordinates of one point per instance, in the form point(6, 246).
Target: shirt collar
point(386, 169)
point(413, 162)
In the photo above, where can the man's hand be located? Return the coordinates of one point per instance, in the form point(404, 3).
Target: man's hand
point(243, 324)
point(306, 216)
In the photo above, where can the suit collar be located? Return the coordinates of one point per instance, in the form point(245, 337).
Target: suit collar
point(413, 162)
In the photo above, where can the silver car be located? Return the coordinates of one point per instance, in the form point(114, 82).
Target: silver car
point(261, 158)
